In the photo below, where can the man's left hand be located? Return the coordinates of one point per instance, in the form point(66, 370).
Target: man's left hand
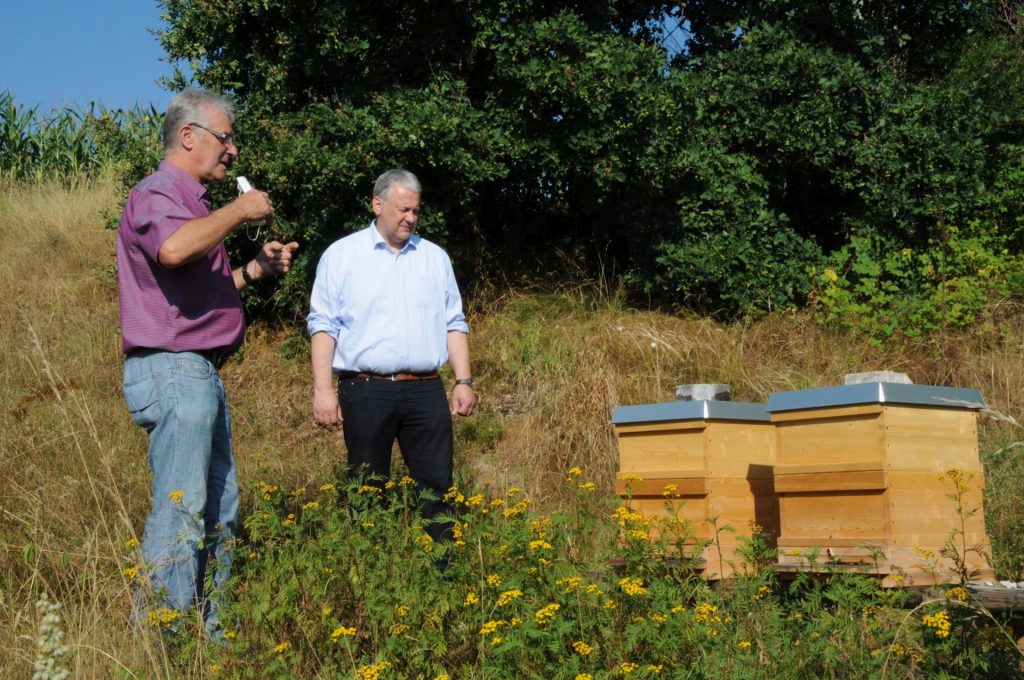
point(275, 258)
point(463, 400)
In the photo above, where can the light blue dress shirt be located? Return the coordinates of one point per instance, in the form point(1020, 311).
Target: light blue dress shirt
point(387, 312)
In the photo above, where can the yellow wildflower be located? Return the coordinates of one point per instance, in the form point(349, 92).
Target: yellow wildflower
point(509, 596)
point(343, 631)
point(632, 586)
point(283, 647)
point(163, 617)
point(176, 497)
point(582, 648)
point(744, 644)
point(310, 505)
point(327, 487)
point(545, 614)
point(490, 627)
point(958, 594)
point(939, 621)
point(628, 667)
point(471, 599)
point(493, 580)
point(373, 671)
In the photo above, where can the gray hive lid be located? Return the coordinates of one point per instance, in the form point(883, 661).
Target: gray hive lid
point(689, 410)
point(876, 393)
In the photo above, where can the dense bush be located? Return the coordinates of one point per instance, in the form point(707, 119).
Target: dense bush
point(714, 175)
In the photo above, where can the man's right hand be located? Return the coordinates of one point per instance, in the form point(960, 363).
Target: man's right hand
point(255, 205)
point(326, 409)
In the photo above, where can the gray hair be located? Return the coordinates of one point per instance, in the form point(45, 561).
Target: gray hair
point(190, 106)
point(392, 177)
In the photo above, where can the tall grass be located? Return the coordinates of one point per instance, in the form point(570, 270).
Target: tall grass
point(550, 367)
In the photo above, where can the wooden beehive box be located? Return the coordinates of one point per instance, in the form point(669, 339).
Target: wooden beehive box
point(717, 454)
point(863, 475)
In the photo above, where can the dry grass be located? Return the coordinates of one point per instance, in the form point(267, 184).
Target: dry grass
point(550, 369)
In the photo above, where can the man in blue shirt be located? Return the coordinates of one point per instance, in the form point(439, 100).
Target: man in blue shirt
point(385, 314)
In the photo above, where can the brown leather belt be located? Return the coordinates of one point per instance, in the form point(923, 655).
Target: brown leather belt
point(366, 375)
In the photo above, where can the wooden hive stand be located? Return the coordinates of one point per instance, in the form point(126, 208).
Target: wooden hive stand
point(716, 459)
point(864, 474)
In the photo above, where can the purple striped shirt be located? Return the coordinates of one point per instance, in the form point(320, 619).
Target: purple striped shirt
point(188, 308)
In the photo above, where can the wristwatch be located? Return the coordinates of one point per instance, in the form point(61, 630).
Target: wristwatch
point(465, 381)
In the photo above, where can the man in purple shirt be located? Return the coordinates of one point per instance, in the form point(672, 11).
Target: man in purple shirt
point(181, 316)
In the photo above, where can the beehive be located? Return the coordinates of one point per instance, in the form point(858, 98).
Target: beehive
point(717, 454)
point(864, 474)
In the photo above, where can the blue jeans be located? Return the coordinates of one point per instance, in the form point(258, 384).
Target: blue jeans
point(178, 398)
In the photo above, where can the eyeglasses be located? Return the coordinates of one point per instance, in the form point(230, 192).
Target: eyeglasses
point(225, 138)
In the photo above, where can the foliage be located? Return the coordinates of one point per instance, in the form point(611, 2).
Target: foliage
point(343, 581)
point(886, 290)
point(68, 144)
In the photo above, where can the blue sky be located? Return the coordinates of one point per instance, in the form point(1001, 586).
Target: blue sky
point(57, 53)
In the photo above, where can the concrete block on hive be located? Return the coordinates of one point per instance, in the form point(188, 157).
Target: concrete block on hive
point(864, 473)
point(707, 460)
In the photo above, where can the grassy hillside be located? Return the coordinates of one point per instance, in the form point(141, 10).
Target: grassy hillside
point(550, 367)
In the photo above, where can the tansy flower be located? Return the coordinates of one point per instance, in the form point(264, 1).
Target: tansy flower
point(471, 599)
point(310, 505)
point(373, 671)
point(545, 614)
point(493, 580)
point(509, 596)
point(743, 644)
point(281, 648)
point(632, 586)
point(490, 627)
point(163, 617)
point(342, 631)
point(176, 497)
point(628, 667)
point(327, 487)
point(582, 648)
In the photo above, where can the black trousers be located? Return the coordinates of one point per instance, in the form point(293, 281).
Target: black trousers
point(417, 414)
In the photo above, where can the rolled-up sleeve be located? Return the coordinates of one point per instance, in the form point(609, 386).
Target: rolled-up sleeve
point(325, 300)
point(456, 320)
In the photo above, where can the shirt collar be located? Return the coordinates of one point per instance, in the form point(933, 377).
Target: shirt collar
point(379, 243)
point(188, 182)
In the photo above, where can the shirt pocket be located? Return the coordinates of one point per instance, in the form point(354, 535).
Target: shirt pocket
point(143, 398)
